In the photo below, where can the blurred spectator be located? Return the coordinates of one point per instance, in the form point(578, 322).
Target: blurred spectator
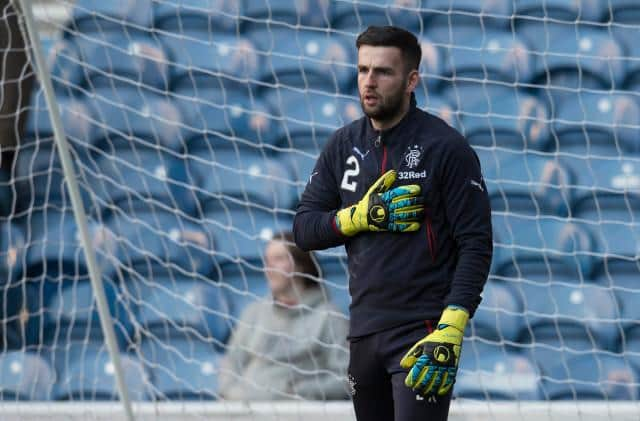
point(16, 81)
point(292, 345)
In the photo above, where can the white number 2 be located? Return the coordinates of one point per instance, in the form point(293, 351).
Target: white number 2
point(350, 172)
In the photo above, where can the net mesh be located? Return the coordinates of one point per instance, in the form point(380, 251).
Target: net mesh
point(194, 126)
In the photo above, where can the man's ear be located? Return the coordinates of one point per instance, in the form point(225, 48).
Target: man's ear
point(412, 81)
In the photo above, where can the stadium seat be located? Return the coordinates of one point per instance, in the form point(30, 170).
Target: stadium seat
point(21, 312)
point(182, 370)
point(95, 16)
point(183, 307)
point(439, 106)
point(308, 119)
point(241, 232)
point(593, 376)
point(123, 60)
point(25, 376)
point(305, 60)
point(559, 10)
point(623, 16)
point(491, 55)
point(572, 59)
point(562, 320)
point(499, 316)
point(130, 120)
point(446, 14)
point(72, 314)
point(600, 124)
point(144, 180)
point(495, 374)
point(201, 15)
point(200, 60)
point(243, 283)
point(62, 60)
point(604, 185)
point(162, 244)
point(630, 346)
point(264, 14)
point(92, 378)
point(538, 240)
point(54, 245)
point(12, 252)
point(357, 16)
point(511, 119)
point(236, 118)
point(529, 184)
point(335, 272)
point(242, 175)
point(621, 275)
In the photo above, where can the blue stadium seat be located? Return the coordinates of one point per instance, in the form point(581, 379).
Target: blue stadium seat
point(12, 252)
point(335, 272)
point(54, 245)
point(572, 59)
point(200, 60)
point(182, 370)
point(162, 244)
point(225, 115)
point(241, 232)
point(563, 320)
point(510, 119)
point(304, 60)
point(594, 376)
point(201, 15)
point(357, 16)
point(446, 14)
point(604, 185)
point(72, 314)
point(143, 180)
point(110, 16)
point(628, 36)
point(308, 119)
point(63, 61)
point(560, 10)
point(630, 346)
point(264, 14)
point(243, 283)
point(92, 378)
point(245, 176)
point(499, 316)
point(621, 275)
point(496, 374)
point(182, 308)
point(439, 106)
point(493, 54)
point(600, 124)
point(538, 240)
point(624, 16)
point(529, 184)
point(129, 120)
point(25, 376)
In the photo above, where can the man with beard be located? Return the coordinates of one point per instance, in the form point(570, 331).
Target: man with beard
point(404, 192)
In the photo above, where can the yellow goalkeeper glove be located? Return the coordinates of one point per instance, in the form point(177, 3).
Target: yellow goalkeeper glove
point(433, 360)
point(380, 209)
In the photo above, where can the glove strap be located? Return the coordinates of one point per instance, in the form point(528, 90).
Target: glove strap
point(454, 316)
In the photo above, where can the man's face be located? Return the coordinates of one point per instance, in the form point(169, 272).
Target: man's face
point(382, 81)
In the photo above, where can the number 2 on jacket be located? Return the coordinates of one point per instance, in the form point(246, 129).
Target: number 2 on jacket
point(348, 184)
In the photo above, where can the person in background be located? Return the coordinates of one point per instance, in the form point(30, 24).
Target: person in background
point(292, 345)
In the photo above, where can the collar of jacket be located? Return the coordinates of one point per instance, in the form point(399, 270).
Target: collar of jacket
point(310, 298)
point(372, 134)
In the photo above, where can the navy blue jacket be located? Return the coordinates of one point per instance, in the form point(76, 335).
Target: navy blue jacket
point(397, 278)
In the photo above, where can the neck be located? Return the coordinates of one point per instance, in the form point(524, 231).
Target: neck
point(289, 296)
point(387, 124)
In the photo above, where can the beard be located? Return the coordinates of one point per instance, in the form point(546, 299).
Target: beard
point(387, 108)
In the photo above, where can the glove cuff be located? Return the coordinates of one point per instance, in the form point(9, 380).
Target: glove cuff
point(454, 316)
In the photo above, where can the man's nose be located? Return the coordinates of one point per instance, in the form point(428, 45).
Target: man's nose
point(370, 79)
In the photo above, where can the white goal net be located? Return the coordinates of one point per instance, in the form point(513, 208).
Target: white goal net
point(192, 128)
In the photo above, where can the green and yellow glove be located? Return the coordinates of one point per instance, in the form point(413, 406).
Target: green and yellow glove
point(434, 359)
point(380, 209)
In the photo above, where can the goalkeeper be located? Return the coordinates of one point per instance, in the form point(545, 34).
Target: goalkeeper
point(404, 192)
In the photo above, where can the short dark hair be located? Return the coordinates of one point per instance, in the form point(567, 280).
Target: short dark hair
point(304, 261)
point(392, 36)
